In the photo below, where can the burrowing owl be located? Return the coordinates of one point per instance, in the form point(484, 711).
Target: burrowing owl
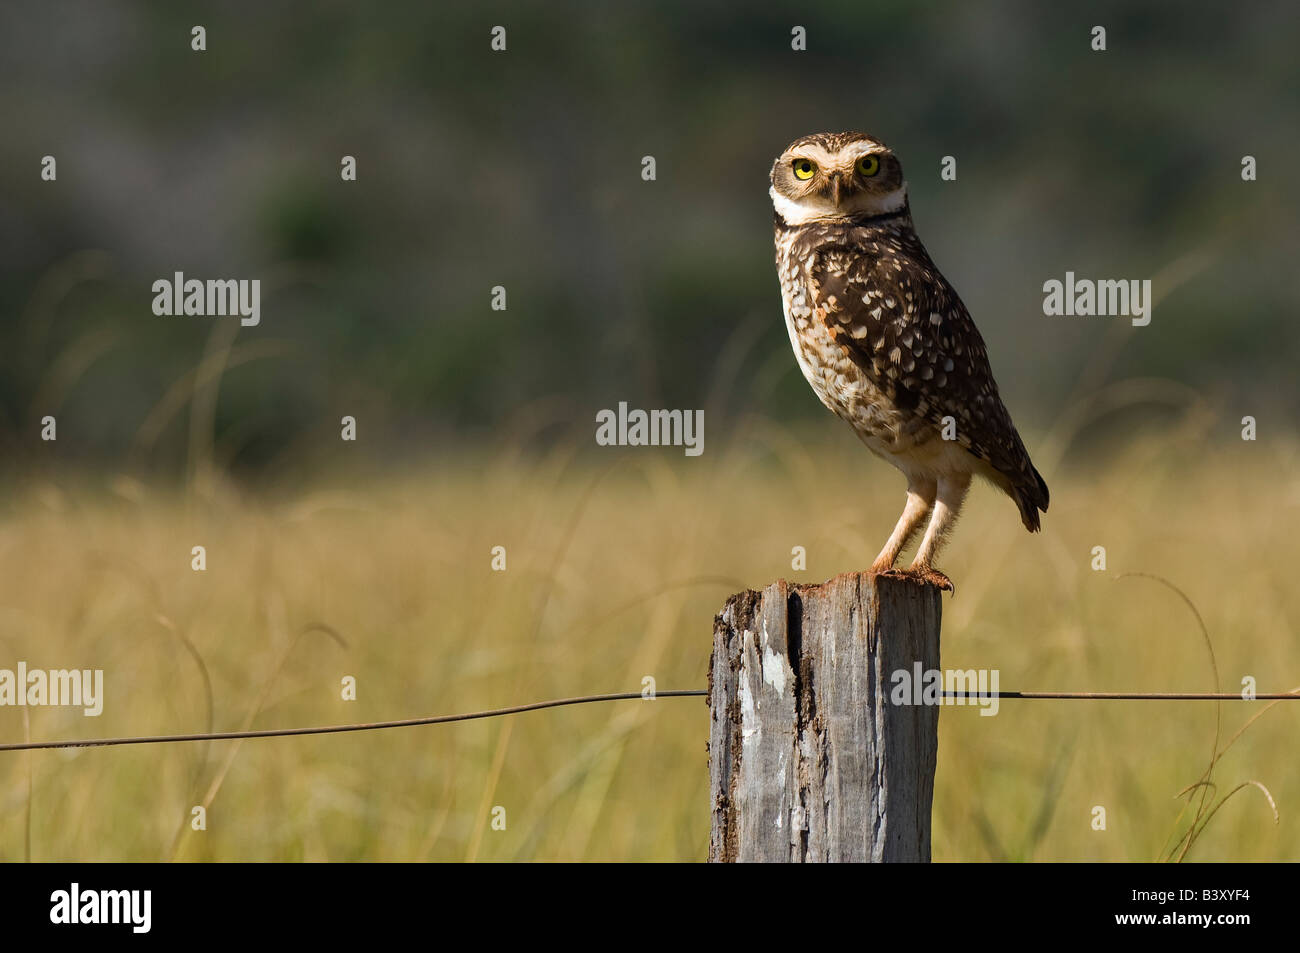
point(886, 343)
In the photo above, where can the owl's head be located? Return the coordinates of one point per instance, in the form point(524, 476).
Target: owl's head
point(836, 177)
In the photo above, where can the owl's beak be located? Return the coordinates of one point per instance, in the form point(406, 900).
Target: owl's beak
point(839, 185)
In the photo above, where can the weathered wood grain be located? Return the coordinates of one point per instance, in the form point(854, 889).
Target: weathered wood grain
point(808, 758)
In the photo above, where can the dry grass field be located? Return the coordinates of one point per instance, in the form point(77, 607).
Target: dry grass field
point(616, 563)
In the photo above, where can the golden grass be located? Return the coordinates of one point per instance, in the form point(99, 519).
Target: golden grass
point(616, 564)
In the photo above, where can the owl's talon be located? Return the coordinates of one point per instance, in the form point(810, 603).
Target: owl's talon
point(933, 577)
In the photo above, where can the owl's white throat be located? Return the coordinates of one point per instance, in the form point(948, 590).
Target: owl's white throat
point(820, 210)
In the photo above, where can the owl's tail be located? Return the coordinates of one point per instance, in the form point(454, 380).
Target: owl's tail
point(1031, 498)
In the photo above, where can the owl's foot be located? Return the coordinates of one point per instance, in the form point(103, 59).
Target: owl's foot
point(932, 577)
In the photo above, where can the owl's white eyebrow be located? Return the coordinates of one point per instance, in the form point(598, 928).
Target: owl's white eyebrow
point(871, 149)
point(813, 154)
point(847, 156)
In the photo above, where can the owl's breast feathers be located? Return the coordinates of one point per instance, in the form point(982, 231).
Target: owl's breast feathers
point(873, 291)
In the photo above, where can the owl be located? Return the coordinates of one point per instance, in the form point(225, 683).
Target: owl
point(886, 343)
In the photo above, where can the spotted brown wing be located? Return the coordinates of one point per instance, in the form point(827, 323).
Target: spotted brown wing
point(884, 301)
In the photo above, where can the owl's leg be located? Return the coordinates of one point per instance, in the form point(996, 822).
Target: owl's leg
point(920, 497)
point(952, 491)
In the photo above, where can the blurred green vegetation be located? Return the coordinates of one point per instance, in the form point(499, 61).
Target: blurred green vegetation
point(522, 169)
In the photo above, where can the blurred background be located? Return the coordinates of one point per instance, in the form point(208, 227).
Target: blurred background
point(475, 427)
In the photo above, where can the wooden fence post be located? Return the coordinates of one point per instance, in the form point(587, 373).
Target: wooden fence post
point(808, 758)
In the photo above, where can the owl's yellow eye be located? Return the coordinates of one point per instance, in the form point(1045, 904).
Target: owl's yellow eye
point(868, 165)
point(803, 169)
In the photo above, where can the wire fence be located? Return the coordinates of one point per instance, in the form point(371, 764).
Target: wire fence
point(591, 699)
